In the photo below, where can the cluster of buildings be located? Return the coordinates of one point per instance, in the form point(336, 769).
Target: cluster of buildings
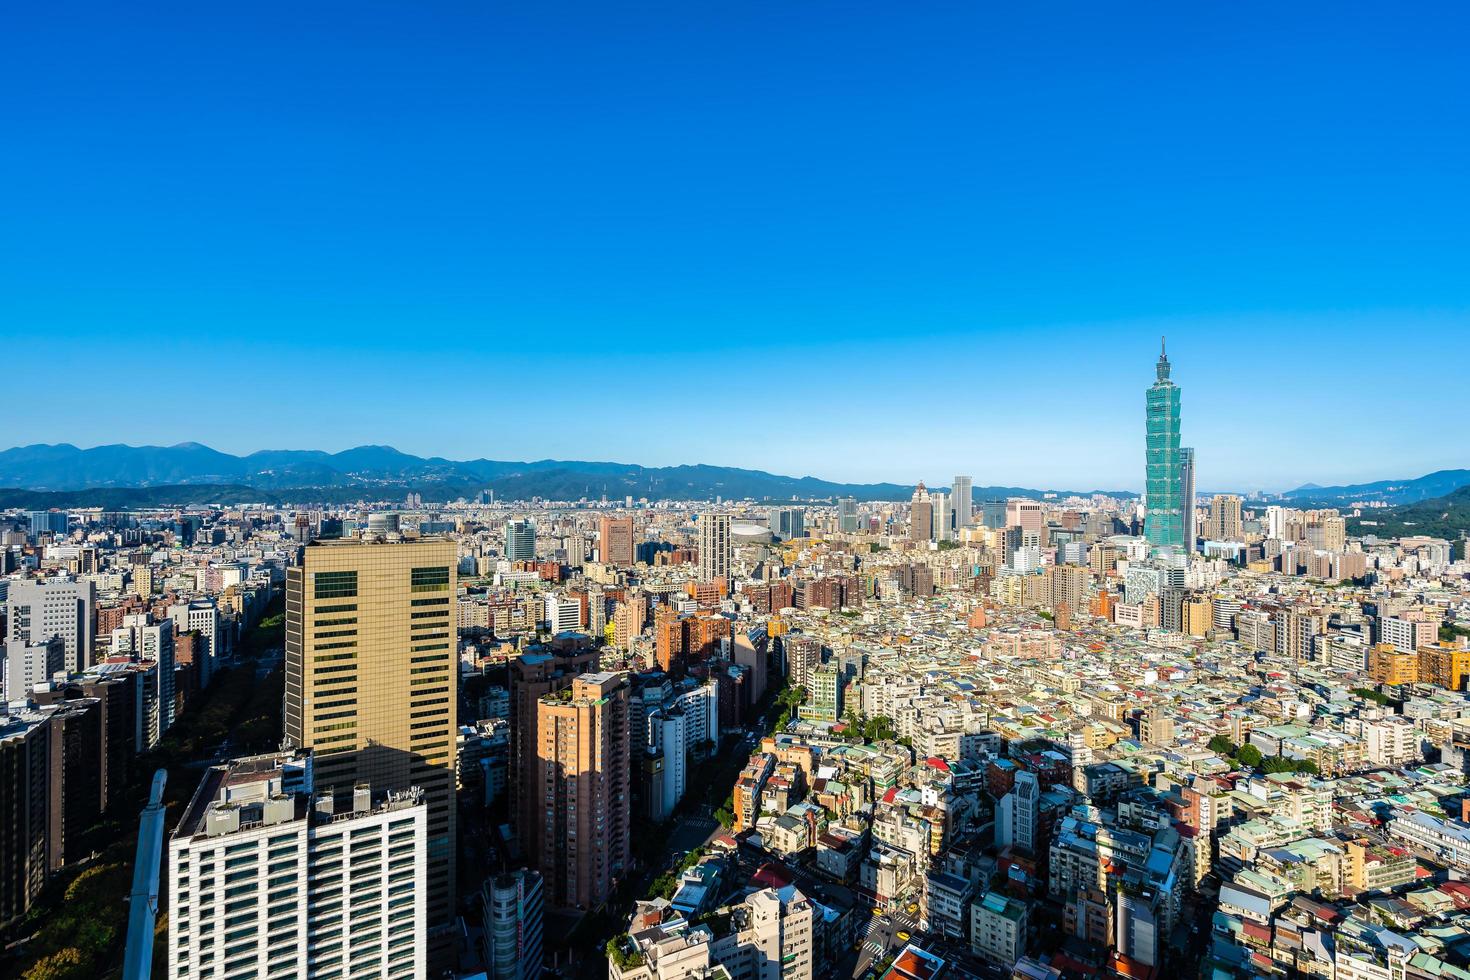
point(1042, 738)
point(111, 624)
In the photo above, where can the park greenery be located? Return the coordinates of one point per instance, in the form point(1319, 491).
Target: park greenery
point(870, 730)
point(1368, 694)
point(1249, 757)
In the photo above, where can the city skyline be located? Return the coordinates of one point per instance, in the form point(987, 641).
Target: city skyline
point(930, 203)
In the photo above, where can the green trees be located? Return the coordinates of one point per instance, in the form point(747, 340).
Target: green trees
point(1250, 757)
point(870, 730)
point(1221, 745)
point(621, 951)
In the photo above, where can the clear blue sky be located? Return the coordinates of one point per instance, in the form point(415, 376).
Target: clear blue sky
point(861, 241)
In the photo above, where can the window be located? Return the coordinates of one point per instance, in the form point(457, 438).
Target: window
point(336, 585)
point(429, 579)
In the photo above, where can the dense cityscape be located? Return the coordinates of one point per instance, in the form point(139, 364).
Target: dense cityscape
point(1036, 736)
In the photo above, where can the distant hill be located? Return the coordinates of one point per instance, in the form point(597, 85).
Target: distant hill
point(1441, 517)
point(1426, 487)
point(128, 498)
point(384, 473)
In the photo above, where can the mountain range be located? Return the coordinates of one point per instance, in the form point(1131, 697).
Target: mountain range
point(1437, 484)
point(382, 472)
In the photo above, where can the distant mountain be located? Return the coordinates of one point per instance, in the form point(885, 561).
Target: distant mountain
point(1436, 484)
point(1440, 517)
point(382, 473)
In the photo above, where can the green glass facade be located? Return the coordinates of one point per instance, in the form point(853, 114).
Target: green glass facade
point(1164, 518)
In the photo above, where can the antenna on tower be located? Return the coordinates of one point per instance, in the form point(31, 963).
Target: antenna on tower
point(1163, 350)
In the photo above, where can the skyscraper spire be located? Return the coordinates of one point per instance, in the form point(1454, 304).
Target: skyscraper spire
point(1164, 477)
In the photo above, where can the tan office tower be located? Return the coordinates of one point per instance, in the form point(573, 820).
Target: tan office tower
point(615, 540)
point(581, 781)
point(715, 550)
point(371, 680)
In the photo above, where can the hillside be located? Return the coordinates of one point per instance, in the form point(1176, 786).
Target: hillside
point(1442, 517)
point(385, 473)
point(1408, 491)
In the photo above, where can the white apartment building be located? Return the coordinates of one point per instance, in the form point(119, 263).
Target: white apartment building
point(563, 613)
point(769, 936)
point(37, 611)
point(267, 881)
point(1391, 742)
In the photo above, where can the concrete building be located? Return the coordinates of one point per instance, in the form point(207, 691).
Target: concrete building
point(513, 913)
point(963, 496)
point(715, 549)
point(25, 751)
point(37, 611)
point(999, 928)
point(615, 542)
point(1017, 814)
point(520, 541)
point(581, 785)
point(371, 679)
point(267, 877)
point(28, 664)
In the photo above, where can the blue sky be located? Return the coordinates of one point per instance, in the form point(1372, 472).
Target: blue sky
point(861, 241)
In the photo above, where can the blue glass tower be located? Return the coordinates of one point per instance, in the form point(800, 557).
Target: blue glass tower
point(1164, 484)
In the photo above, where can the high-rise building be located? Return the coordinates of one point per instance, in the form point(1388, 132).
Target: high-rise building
point(847, 515)
point(1186, 478)
point(964, 502)
point(563, 612)
point(1017, 813)
point(269, 878)
point(201, 616)
point(921, 515)
point(520, 541)
point(943, 515)
point(37, 611)
point(715, 550)
point(513, 914)
point(25, 751)
point(47, 522)
point(28, 664)
point(371, 679)
point(1225, 520)
point(581, 785)
point(532, 677)
point(787, 522)
point(993, 514)
point(615, 540)
point(1028, 515)
point(1164, 519)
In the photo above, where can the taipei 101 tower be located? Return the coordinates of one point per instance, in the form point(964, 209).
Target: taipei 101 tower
point(1164, 485)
